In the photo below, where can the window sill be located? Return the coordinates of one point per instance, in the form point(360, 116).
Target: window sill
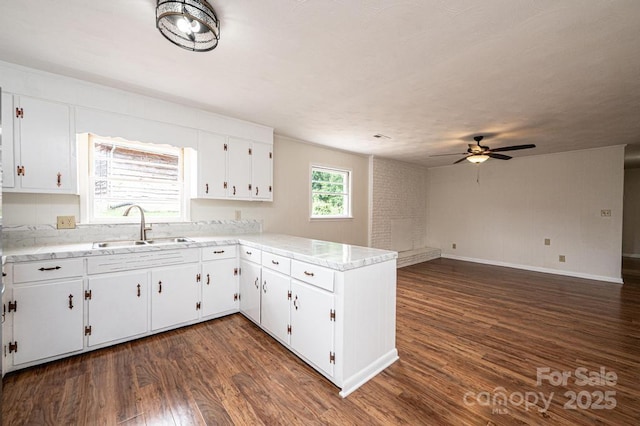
point(329, 218)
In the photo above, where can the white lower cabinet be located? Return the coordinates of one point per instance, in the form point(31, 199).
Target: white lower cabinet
point(175, 295)
point(312, 326)
point(250, 290)
point(118, 307)
point(48, 320)
point(275, 304)
point(219, 287)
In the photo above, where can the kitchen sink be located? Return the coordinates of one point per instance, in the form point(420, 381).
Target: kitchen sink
point(119, 243)
point(132, 243)
point(168, 240)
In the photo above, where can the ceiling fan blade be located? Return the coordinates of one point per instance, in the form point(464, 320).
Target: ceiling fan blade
point(443, 155)
point(499, 156)
point(513, 148)
point(460, 160)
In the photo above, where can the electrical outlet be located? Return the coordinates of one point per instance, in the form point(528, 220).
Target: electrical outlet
point(605, 213)
point(66, 222)
point(547, 241)
point(562, 258)
point(453, 246)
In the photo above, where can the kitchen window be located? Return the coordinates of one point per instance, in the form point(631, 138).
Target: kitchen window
point(123, 173)
point(330, 193)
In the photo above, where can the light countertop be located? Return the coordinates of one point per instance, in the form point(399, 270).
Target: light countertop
point(333, 255)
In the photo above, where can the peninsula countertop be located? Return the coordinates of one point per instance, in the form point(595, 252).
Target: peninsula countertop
point(337, 256)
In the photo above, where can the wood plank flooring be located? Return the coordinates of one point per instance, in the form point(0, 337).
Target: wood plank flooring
point(462, 329)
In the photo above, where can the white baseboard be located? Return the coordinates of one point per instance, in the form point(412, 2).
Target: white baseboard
point(355, 381)
point(634, 255)
point(536, 269)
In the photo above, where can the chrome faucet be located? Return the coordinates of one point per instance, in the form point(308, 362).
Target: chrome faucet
point(143, 227)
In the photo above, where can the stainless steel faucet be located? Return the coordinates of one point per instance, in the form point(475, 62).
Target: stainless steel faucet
point(143, 226)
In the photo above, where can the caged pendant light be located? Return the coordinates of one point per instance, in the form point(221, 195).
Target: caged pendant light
point(190, 24)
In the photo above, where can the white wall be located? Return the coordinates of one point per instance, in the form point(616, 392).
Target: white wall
point(631, 224)
point(288, 213)
point(505, 218)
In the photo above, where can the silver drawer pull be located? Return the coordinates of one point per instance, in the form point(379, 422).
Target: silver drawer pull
point(53, 268)
point(275, 262)
point(309, 274)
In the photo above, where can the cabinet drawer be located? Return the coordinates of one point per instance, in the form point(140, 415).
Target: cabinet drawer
point(251, 254)
point(47, 270)
point(312, 274)
point(218, 252)
point(277, 263)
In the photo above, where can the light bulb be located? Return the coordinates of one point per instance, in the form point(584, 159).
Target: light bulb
point(195, 26)
point(183, 25)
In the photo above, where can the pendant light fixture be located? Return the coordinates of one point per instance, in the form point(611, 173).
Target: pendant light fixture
point(190, 24)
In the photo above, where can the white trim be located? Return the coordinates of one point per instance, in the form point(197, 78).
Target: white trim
point(536, 269)
point(366, 374)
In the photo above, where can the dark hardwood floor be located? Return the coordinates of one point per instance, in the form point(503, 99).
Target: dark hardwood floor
point(467, 334)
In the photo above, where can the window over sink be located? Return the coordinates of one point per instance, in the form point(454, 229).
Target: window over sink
point(121, 173)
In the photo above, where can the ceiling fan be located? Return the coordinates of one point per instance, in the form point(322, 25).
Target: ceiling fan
point(479, 153)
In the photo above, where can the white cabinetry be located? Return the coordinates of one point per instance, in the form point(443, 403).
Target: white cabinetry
point(250, 274)
point(43, 139)
point(175, 295)
point(212, 166)
point(239, 151)
point(312, 325)
point(118, 307)
point(276, 296)
point(219, 281)
point(234, 168)
point(8, 161)
point(262, 171)
point(47, 310)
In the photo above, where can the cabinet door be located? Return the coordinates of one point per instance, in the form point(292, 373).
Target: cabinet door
point(118, 307)
point(45, 146)
point(250, 290)
point(48, 320)
point(219, 287)
point(212, 166)
point(311, 326)
point(239, 168)
point(275, 304)
point(8, 161)
point(262, 171)
point(174, 296)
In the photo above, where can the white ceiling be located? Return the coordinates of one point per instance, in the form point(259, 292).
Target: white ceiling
point(430, 74)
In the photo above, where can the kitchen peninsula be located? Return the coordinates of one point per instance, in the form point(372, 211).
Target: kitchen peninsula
point(331, 304)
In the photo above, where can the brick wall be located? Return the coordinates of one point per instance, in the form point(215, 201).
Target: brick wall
point(399, 209)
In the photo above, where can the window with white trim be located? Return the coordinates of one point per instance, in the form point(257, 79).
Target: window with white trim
point(330, 192)
point(123, 173)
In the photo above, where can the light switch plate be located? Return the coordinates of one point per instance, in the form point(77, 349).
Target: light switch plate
point(66, 222)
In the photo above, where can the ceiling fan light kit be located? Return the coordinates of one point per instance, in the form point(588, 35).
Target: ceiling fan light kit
point(477, 159)
point(480, 153)
point(190, 24)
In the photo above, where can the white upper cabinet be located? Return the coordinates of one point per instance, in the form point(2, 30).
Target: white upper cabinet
point(212, 165)
point(239, 151)
point(45, 160)
point(8, 161)
point(234, 168)
point(262, 171)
